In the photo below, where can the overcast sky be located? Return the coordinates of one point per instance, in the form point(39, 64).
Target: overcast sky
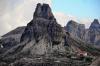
point(14, 13)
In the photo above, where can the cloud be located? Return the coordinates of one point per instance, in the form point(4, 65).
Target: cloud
point(14, 13)
point(63, 18)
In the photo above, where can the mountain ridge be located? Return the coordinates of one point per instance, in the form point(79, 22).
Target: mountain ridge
point(90, 35)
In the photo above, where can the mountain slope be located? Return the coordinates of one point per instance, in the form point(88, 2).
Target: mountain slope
point(11, 39)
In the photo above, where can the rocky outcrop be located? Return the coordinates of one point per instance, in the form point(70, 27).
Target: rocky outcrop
point(76, 30)
point(95, 25)
point(94, 32)
point(43, 11)
point(44, 31)
point(42, 36)
point(91, 35)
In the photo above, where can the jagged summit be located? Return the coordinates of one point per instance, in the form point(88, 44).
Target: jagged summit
point(43, 11)
point(43, 22)
point(96, 21)
point(95, 24)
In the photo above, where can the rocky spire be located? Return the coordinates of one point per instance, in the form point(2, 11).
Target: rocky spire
point(43, 11)
point(43, 22)
point(45, 31)
point(95, 24)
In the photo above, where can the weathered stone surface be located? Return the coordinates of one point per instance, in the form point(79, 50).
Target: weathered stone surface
point(42, 36)
point(76, 30)
point(94, 32)
point(95, 25)
point(46, 33)
point(11, 39)
point(91, 35)
point(44, 11)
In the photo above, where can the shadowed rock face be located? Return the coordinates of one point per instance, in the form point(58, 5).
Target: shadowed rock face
point(96, 62)
point(75, 29)
point(43, 26)
point(37, 29)
point(94, 32)
point(43, 11)
point(18, 30)
point(95, 25)
point(44, 32)
point(11, 39)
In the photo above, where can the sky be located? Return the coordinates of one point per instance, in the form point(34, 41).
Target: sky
point(14, 13)
point(79, 8)
point(82, 11)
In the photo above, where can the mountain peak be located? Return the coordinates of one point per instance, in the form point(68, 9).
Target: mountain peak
point(96, 21)
point(43, 11)
point(95, 24)
point(75, 29)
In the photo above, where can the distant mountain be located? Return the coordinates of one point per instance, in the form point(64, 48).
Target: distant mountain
point(75, 29)
point(43, 42)
point(18, 30)
point(91, 35)
point(11, 39)
point(94, 32)
point(95, 25)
